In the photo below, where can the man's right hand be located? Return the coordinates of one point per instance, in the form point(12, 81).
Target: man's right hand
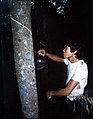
point(42, 52)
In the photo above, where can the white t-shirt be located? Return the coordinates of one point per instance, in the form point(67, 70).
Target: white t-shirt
point(77, 71)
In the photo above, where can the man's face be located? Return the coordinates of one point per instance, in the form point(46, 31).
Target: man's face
point(67, 52)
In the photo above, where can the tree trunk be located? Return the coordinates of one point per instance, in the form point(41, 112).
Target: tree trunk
point(24, 57)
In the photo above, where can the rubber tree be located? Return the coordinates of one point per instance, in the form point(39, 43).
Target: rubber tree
point(20, 12)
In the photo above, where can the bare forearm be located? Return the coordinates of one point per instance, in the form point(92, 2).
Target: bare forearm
point(51, 56)
point(59, 93)
point(63, 92)
point(54, 57)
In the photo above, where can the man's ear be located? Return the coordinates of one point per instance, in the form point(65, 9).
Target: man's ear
point(75, 52)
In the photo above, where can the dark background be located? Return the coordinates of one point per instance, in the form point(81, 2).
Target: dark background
point(10, 106)
point(49, 30)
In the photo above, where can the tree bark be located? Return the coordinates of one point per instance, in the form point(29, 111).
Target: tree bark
point(24, 57)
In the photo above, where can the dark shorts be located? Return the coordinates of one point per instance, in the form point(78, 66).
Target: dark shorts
point(77, 109)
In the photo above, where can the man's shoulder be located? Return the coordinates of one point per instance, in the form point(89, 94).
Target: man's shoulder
point(66, 61)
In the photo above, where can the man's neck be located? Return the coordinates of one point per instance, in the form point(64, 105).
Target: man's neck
point(73, 59)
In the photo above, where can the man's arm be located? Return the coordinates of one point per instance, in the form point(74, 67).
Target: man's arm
point(51, 56)
point(63, 92)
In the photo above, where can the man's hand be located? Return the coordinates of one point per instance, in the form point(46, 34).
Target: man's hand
point(42, 52)
point(48, 94)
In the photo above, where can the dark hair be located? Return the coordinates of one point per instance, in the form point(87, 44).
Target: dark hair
point(76, 46)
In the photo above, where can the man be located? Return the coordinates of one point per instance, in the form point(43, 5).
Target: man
point(77, 73)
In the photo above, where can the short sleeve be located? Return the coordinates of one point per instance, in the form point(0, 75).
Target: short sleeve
point(66, 61)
